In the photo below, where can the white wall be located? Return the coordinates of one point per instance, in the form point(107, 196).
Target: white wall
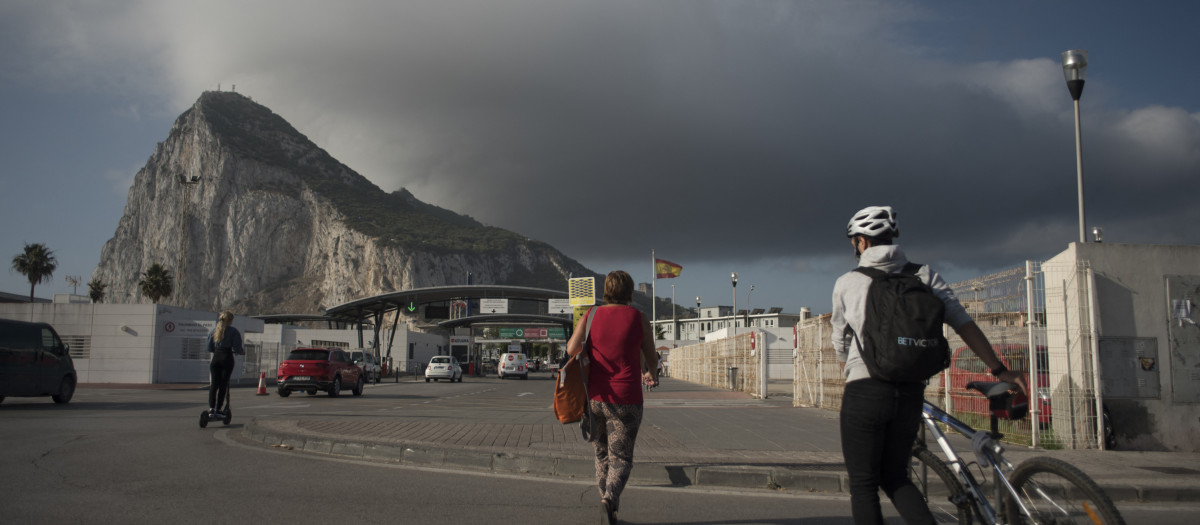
point(1131, 295)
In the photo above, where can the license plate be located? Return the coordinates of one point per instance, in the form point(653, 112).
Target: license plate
point(301, 378)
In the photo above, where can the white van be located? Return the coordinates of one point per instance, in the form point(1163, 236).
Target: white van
point(512, 364)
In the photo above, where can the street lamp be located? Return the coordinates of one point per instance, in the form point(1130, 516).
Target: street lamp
point(733, 314)
point(698, 321)
point(1074, 64)
point(748, 305)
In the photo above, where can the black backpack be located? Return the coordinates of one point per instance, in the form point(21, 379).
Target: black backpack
point(901, 339)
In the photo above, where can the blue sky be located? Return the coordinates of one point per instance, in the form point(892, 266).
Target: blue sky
point(726, 136)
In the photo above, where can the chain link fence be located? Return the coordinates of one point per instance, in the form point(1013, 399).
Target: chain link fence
point(1047, 307)
point(724, 363)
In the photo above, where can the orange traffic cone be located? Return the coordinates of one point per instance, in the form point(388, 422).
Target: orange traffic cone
point(262, 383)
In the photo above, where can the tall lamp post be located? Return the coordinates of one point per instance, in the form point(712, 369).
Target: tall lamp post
point(733, 314)
point(1074, 63)
point(748, 305)
point(698, 318)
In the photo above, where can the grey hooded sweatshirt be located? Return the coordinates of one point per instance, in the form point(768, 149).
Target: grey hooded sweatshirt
point(850, 304)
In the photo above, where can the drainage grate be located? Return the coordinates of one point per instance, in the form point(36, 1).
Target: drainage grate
point(1172, 470)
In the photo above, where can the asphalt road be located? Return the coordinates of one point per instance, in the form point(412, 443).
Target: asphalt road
point(139, 456)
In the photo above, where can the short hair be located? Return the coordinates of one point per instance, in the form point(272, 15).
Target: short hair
point(883, 239)
point(618, 287)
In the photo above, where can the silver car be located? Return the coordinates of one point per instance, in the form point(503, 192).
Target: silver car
point(366, 360)
point(443, 367)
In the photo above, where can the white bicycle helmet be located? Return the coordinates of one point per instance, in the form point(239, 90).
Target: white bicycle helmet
point(873, 221)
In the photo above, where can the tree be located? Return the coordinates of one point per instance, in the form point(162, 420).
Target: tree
point(37, 264)
point(157, 282)
point(96, 290)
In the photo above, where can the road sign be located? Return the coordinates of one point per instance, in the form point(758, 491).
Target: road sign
point(582, 291)
point(559, 306)
point(493, 306)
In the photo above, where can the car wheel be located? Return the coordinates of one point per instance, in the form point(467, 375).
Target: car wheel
point(1, 399)
point(66, 390)
point(283, 392)
point(358, 388)
point(336, 387)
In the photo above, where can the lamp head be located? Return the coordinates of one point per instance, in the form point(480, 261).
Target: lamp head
point(1074, 64)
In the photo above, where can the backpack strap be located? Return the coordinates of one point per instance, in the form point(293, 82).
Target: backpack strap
point(909, 268)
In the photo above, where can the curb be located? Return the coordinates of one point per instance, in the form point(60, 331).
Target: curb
point(792, 480)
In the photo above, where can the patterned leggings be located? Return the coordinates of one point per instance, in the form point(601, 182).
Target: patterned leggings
point(616, 431)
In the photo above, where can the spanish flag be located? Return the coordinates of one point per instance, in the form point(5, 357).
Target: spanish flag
point(665, 269)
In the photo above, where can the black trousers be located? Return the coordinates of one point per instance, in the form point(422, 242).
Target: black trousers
point(879, 422)
point(220, 369)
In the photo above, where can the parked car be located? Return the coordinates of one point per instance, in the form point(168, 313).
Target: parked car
point(443, 367)
point(366, 360)
point(512, 364)
point(313, 369)
point(35, 362)
point(966, 367)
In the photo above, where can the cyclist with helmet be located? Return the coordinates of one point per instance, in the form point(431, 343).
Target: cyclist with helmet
point(879, 419)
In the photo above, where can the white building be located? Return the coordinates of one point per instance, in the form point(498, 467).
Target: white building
point(155, 343)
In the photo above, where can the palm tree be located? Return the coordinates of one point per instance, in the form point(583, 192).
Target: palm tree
point(157, 282)
point(37, 264)
point(96, 290)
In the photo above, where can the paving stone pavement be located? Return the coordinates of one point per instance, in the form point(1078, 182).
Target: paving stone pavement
point(691, 435)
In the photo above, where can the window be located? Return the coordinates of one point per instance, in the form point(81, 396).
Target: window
point(330, 344)
point(80, 346)
point(411, 349)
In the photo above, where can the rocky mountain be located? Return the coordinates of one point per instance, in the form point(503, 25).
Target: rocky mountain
point(247, 213)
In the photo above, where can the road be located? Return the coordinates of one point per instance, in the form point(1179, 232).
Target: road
point(139, 456)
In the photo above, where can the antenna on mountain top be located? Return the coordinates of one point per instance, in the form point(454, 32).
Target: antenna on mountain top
point(234, 89)
point(218, 87)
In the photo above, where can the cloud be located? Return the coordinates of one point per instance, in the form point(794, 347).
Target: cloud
point(720, 131)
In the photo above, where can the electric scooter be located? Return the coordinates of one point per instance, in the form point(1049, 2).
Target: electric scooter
point(225, 416)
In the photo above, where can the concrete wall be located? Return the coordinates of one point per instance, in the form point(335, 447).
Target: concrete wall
point(1131, 289)
point(147, 344)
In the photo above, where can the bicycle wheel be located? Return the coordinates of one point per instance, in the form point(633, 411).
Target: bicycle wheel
point(1056, 492)
point(945, 495)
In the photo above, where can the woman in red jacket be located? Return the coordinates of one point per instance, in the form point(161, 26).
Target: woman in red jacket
point(621, 339)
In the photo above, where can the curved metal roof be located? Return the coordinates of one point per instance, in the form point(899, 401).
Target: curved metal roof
point(506, 318)
point(366, 309)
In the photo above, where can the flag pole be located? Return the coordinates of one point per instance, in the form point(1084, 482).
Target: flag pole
point(653, 281)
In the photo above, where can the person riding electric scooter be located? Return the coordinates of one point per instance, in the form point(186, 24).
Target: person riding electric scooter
point(223, 343)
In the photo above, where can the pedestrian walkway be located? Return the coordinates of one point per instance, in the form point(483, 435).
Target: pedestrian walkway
point(691, 435)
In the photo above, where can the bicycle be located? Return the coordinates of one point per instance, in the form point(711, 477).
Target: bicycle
point(1039, 490)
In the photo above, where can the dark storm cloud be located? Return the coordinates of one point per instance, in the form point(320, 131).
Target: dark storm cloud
point(712, 131)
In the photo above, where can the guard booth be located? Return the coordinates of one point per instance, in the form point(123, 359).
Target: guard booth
point(460, 348)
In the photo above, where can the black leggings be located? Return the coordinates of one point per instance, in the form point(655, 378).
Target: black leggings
point(219, 369)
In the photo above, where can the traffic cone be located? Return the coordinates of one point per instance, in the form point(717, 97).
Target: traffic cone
point(262, 383)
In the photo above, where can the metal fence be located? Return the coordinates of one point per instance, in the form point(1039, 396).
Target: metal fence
point(724, 363)
point(1047, 307)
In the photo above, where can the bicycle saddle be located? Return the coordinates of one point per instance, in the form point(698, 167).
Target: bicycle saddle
point(991, 388)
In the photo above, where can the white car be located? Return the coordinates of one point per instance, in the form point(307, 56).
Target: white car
point(443, 367)
point(512, 364)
